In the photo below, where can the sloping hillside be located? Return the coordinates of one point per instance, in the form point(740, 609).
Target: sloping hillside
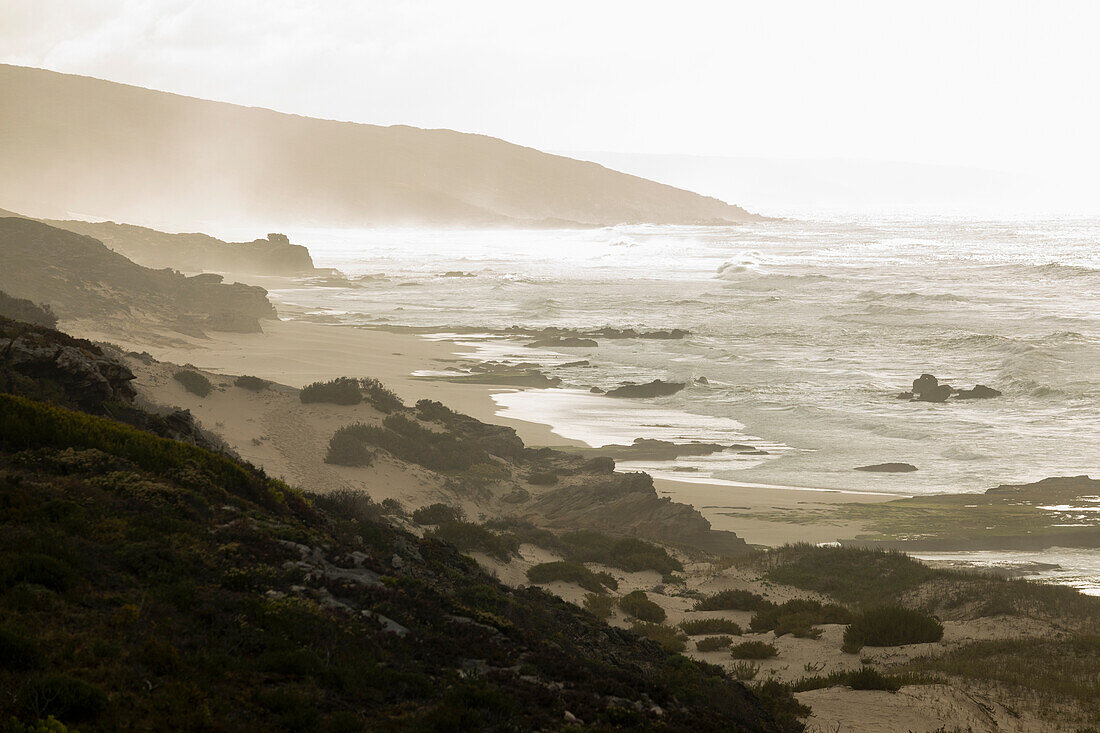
point(78, 277)
point(144, 580)
point(76, 144)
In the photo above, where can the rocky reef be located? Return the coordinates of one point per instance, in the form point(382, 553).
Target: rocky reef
point(927, 388)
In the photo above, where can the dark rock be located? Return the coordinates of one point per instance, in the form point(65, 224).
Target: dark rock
point(569, 342)
point(702, 380)
point(980, 392)
point(889, 468)
point(656, 388)
point(926, 388)
point(596, 390)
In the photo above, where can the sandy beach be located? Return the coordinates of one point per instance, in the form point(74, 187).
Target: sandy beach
point(296, 353)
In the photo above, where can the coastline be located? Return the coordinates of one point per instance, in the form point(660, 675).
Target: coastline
point(296, 353)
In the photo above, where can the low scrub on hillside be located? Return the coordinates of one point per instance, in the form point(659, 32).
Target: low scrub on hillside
point(637, 604)
point(194, 382)
point(600, 606)
point(437, 514)
point(798, 617)
point(864, 678)
point(381, 398)
point(26, 311)
point(252, 384)
point(468, 537)
point(669, 638)
point(890, 626)
point(348, 447)
point(730, 600)
point(696, 626)
point(339, 391)
point(713, 643)
point(753, 650)
point(625, 553)
point(570, 572)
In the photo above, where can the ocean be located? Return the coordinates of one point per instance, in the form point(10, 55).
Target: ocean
point(803, 331)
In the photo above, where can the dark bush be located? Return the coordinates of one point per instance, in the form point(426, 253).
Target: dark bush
point(670, 639)
point(566, 572)
point(291, 663)
point(864, 678)
point(797, 616)
point(38, 569)
point(466, 536)
point(696, 626)
point(194, 382)
point(625, 553)
point(408, 440)
point(730, 600)
point(542, 478)
point(66, 698)
point(380, 398)
point(437, 514)
point(600, 606)
point(753, 650)
point(348, 448)
point(21, 309)
point(713, 643)
point(252, 384)
point(890, 626)
point(18, 651)
point(339, 391)
point(637, 604)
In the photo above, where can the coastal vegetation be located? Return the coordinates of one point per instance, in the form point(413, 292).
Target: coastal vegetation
point(713, 643)
point(565, 571)
point(193, 382)
point(696, 626)
point(252, 384)
point(753, 650)
point(890, 626)
point(637, 604)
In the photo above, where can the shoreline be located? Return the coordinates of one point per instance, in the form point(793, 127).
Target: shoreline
point(296, 353)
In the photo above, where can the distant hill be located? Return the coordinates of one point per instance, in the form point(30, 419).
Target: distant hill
point(77, 145)
point(78, 277)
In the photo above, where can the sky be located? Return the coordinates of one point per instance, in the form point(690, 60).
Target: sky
point(1004, 85)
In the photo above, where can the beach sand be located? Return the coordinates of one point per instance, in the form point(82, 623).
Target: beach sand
point(295, 353)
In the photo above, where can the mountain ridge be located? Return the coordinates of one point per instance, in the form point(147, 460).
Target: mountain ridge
point(229, 163)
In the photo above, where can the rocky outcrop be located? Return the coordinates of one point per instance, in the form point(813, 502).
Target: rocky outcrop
point(75, 371)
point(889, 468)
point(568, 342)
point(650, 449)
point(80, 278)
point(656, 388)
point(927, 388)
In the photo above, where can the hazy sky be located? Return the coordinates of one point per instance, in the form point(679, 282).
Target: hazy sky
point(1007, 85)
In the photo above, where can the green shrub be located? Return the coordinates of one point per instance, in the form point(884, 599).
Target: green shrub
point(864, 678)
point(67, 698)
point(669, 639)
point(347, 447)
point(600, 606)
point(466, 536)
point(437, 514)
point(339, 391)
point(625, 553)
point(380, 398)
point(730, 600)
point(18, 651)
point(542, 478)
point(890, 626)
point(434, 411)
point(696, 626)
point(753, 650)
point(638, 605)
point(744, 671)
point(408, 440)
point(291, 663)
point(252, 384)
point(566, 572)
point(194, 382)
point(25, 311)
point(850, 574)
point(713, 643)
point(797, 616)
point(36, 568)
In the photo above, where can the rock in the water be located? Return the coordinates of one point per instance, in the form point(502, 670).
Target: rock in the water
point(596, 390)
point(656, 388)
point(980, 392)
point(702, 380)
point(889, 468)
point(926, 388)
point(569, 342)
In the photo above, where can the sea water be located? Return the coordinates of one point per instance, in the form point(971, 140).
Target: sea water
point(804, 330)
